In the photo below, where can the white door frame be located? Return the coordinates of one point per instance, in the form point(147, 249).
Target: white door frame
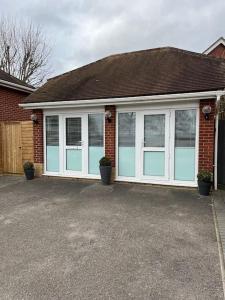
point(140, 110)
point(63, 114)
point(140, 140)
point(82, 147)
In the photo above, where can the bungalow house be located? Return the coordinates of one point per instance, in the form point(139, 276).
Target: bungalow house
point(16, 128)
point(152, 112)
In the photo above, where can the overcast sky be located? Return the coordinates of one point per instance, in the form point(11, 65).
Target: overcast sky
point(81, 31)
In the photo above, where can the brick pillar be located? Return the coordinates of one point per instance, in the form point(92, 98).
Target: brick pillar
point(110, 137)
point(206, 137)
point(38, 142)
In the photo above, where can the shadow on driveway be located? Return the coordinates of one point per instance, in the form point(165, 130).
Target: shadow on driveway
point(73, 239)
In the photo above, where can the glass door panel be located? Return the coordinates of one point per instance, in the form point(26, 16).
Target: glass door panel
point(73, 145)
point(155, 145)
point(185, 135)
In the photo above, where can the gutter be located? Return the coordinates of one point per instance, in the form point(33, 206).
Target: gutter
point(126, 100)
point(216, 145)
point(16, 86)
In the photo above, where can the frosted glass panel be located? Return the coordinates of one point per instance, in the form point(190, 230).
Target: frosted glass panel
point(95, 154)
point(74, 159)
point(154, 163)
point(52, 143)
point(95, 142)
point(127, 161)
point(126, 144)
point(185, 135)
point(185, 163)
point(52, 163)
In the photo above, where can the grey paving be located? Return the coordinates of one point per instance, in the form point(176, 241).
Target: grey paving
point(70, 239)
point(10, 179)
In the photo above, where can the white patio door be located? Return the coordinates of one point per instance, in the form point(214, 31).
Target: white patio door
point(73, 145)
point(155, 145)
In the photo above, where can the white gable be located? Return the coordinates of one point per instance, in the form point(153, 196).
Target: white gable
point(221, 40)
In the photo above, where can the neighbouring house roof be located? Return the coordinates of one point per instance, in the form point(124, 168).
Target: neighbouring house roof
point(141, 73)
point(219, 42)
point(13, 82)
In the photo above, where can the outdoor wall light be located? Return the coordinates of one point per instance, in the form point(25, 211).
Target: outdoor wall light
point(206, 110)
point(108, 116)
point(34, 118)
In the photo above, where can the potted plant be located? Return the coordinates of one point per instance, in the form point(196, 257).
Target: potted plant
point(204, 182)
point(105, 167)
point(28, 168)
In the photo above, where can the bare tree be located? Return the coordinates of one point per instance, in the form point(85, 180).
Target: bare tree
point(24, 52)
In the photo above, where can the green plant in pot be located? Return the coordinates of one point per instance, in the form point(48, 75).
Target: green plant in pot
point(204, 182)
point(28, 168)
point(105, 166)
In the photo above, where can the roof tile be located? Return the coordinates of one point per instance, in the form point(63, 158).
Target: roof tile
point(148, 72)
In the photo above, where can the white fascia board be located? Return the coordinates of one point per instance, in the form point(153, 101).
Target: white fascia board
point(15, 86)
point(214, 45)
point(124, 101)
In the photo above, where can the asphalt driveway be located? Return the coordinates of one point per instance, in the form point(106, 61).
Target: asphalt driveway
point(68, 239)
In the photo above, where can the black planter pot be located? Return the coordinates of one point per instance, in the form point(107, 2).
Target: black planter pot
point(29, 174)
point(105, 172)
point(204, 188)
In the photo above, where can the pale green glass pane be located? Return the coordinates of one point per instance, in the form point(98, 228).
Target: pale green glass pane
point(94, 155)
point(52, 158)
point(154, 163)
point(127, 161)
point(74, 159)
point(185, 163)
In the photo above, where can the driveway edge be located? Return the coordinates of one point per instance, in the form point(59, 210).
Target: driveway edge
point(220, 248)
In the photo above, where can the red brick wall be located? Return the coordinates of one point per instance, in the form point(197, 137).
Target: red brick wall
point(9, 105)
point(38, 137)
point(219, 51)
point(206, 137)
point(110, 135)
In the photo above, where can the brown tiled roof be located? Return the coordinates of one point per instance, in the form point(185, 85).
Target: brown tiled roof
point(148, 72)
point(9, 78)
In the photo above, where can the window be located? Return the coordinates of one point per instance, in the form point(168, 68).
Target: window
point(185, 135)
point(52, 131)
point(126, 129)
point(52, 143)
point(126, 144)
point(95, 130)
point(185, 123)
point(95, 142)
point(73, 131)
point(154, 130)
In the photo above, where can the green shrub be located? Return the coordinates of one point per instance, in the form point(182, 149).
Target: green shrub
point(105, 161)
point(28, 165)
point(205, 176)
